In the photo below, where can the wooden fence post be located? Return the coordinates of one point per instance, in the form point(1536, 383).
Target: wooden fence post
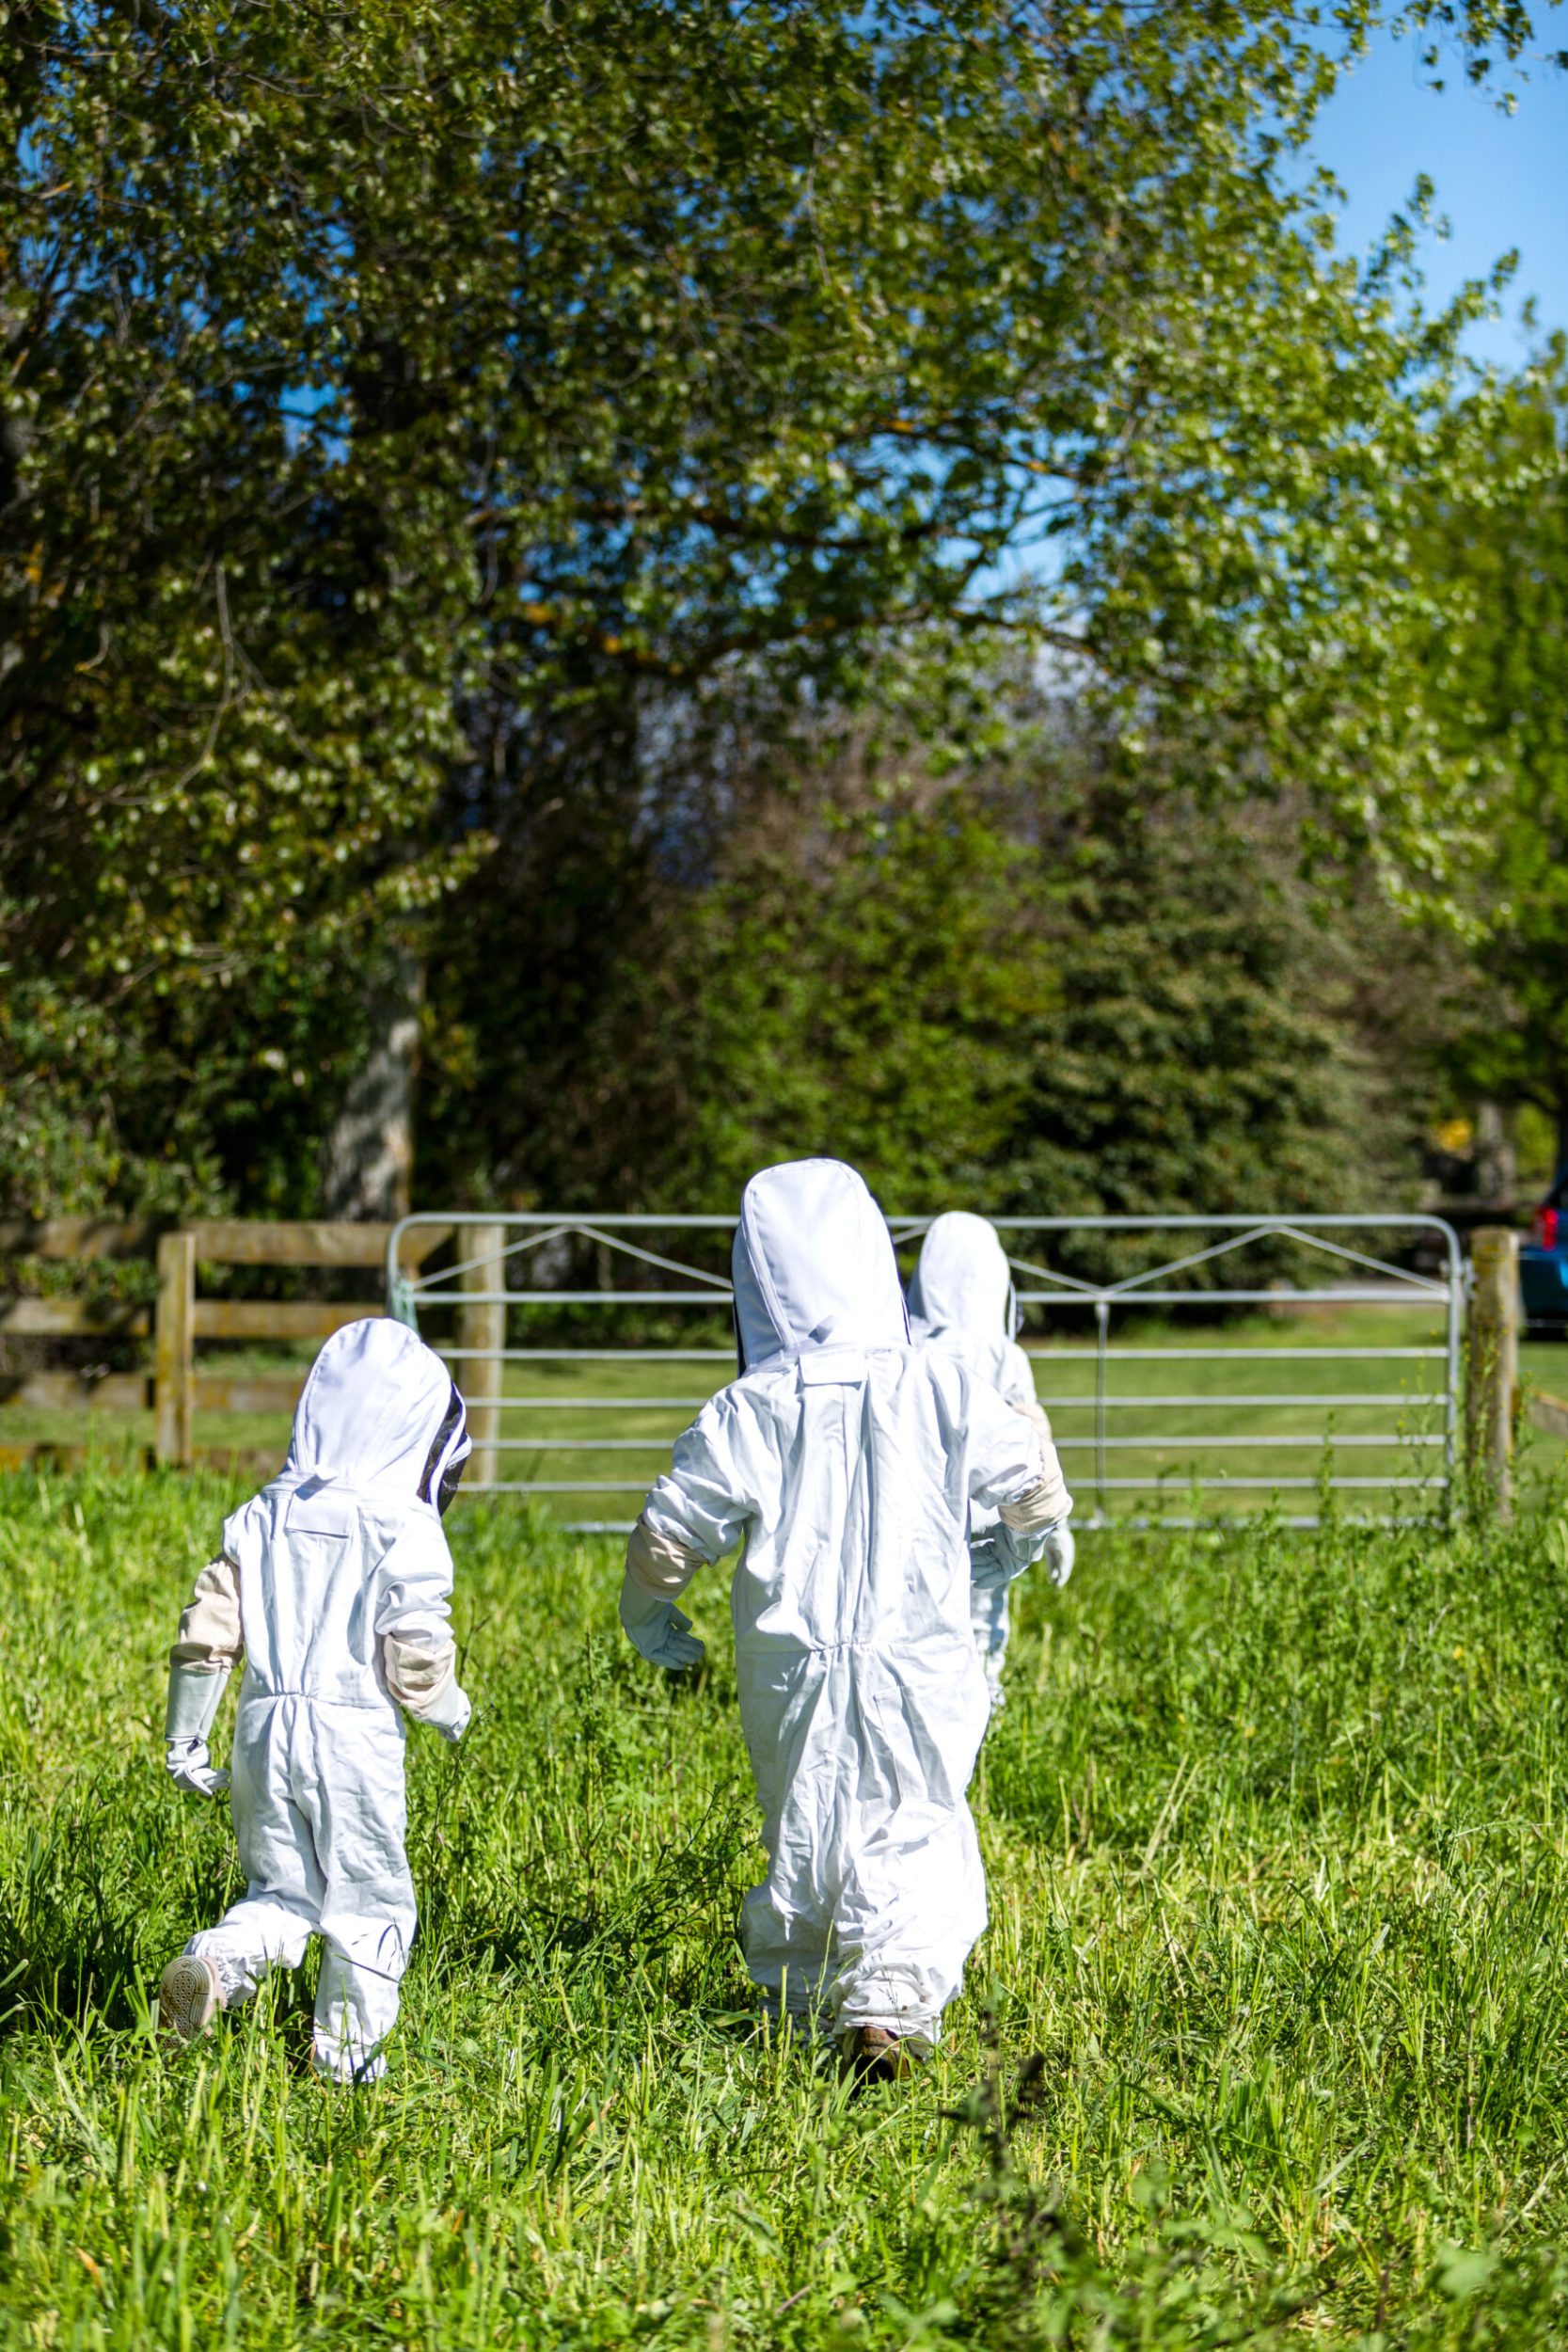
point(174, 1350)
point(482, 1326)
point(1493, 1359)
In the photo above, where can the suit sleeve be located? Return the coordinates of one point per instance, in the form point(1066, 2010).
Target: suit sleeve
point(413, 1625)
point(1013, 1466)
point(210, 1640)
point(701, 1508)
point(208, 1644)
point(1017, 1383)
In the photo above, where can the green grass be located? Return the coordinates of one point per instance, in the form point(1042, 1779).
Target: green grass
point(1278, 1855)
point(1153, 1443)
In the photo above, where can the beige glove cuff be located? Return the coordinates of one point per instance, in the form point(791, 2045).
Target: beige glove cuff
point(1044, 1503)
point(211, 1637)
point(657, 1566)
point(418, 1671)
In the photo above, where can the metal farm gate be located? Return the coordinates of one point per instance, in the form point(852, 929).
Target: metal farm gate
point(585, 1344)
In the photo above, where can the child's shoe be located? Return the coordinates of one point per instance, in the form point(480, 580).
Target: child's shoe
point(872, 2055)
point(190, 1995)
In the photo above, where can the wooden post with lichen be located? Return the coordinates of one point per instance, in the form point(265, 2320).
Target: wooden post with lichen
point(482, 1327)
point(1492, 1366)
point(174, 1351)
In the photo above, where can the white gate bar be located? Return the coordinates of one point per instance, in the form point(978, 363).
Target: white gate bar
point(1196, 1404)
point(593, 1355)
point(1433, 1412)
point(1234, 1355)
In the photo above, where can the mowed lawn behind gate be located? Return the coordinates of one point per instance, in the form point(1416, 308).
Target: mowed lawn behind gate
point(577, 1405)
point(1266, 1390)
point(1279, 1889)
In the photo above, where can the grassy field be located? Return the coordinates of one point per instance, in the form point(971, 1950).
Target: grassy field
point(610, 1424)
point(1278, 1856)
point(1254, 1426)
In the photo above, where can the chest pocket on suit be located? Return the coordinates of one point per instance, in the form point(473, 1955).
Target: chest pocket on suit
point(832, 1368)
point(320, 1508)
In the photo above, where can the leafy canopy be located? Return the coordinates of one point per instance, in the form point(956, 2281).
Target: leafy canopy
point(1498, 685)
point(387, 390)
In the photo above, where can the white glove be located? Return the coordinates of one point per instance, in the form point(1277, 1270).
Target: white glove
point(998, 1555)
point(190, 1766)
point(192, 1702)
point(450, 1712)
point(659, 1631)
point(1002, 1553)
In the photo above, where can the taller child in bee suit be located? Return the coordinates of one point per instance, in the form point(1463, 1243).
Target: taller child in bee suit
point(335, 1581)
point(961, 1301)
point(844, 1461)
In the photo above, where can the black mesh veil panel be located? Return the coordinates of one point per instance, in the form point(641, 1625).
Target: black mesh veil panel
point(735, 1313)
point(439, 1481)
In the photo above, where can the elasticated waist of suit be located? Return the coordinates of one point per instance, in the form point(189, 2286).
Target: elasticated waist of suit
point(366, 1692)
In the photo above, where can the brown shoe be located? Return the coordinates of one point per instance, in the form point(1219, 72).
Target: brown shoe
point(872, 2055)
point(189, 1997)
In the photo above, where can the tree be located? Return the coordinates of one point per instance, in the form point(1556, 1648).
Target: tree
point(1500, 684)
point(398, 397)
point(856, 982)
point(1031, 987)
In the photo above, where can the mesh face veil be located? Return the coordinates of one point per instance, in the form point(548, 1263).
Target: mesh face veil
point(449, 1451)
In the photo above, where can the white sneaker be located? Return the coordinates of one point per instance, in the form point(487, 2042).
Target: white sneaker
point(190, 1995)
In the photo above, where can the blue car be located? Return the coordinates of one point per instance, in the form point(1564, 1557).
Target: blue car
point(1544, 1263)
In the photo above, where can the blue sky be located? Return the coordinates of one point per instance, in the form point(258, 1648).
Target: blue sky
point(1502, 180)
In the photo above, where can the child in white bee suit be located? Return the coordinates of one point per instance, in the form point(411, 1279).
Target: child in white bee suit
point(962, 1301)
point(844, 1461)
point(335, 1583)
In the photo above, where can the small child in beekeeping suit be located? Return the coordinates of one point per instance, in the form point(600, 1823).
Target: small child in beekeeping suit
point(335, 1583)
point(961, 1301)
point(844, 1461)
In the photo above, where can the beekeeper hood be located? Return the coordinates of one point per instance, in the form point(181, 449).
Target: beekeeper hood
point(963, 1282)
point(379, 1408)
point(813, 1265)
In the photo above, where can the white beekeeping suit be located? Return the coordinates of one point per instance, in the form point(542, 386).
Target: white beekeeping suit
point(335, 1583)
point(961, 1301)
point(844, 1461)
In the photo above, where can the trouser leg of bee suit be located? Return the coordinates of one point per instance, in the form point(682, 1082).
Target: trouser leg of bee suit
point(874, 1894)
point(319, 1817)
point(988, 1615)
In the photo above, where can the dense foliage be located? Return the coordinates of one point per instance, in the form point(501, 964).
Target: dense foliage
point(1499, 685)
point(433, 434)
point(1042, 989)
point(1273, 1835)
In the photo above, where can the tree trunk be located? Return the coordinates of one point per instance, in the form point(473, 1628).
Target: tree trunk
point(368, 1162)
point(1495, 1158)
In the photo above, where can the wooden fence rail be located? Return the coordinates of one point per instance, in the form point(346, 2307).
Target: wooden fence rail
point(174, 1388)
